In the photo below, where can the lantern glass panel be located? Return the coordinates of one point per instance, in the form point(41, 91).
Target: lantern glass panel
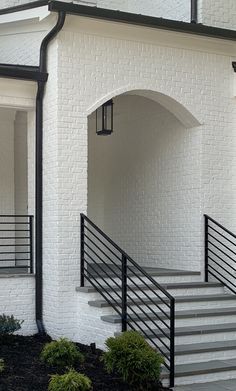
point(99, 118)
point(108, 116)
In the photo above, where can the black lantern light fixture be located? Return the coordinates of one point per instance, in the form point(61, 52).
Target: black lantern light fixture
point(104, 119)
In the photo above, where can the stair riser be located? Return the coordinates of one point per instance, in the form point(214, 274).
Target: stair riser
point(186, 305)
point(106, 310)
point(194, 321)
point(162, 279)
point(175, 292)
point(206, 304)
point(202, 338)
point(204, 378)
point(207, 356)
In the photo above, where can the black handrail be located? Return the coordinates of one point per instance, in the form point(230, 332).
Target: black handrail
point(16, 243)
point(220, 253)
point(105, 266)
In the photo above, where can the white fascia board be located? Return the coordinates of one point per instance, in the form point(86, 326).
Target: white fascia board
point(25, 15)
point(17, 94)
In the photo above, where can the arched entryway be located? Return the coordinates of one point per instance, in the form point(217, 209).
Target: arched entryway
point(144, 180)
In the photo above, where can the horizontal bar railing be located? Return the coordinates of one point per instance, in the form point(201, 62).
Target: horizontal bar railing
point(220, 253)
point(117, 277)
point(16, 243)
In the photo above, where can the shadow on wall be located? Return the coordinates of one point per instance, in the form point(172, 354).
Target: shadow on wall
point(144, 180)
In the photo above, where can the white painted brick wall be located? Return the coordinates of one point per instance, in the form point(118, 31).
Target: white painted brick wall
point(13, 3)
point(20, 48)
point(180, 10)
point(87, 69)
point(17, 297)
point(23, 47)
point(219, 13)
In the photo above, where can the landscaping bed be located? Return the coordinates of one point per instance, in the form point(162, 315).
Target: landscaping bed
point(25, 372)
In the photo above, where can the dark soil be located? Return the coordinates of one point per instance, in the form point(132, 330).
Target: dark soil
point(25, 372)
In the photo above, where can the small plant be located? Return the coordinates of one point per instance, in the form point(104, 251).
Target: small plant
point(133, 359)
point(8, 325)
point(70, 381)
point(61, 354)
point(2, 365)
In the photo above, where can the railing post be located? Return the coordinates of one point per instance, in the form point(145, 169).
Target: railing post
point(172, 342)
point(31, 220)
point(81, 250)
point(206, 248)
point(124, 293)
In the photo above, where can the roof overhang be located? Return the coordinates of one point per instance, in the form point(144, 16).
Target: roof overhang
point(142, 20)
point(126, 17)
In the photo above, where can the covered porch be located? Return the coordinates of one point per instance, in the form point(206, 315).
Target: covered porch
point(17, 176)
point(144, 180)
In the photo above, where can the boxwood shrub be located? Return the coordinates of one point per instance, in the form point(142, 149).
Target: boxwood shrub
point(70, 381)
point(61, 354)
point(130, 356)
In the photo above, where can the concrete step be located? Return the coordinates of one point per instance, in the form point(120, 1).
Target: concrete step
point(158, 274)
point(182, 302)
point(183, 318)
point(202, 372)
point(202, 352)
point(195, 334)
point(175, 289)
point(167, 286)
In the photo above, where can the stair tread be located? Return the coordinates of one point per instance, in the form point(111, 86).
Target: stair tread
point(153, 271)
point(205, 347)
point(177, 285)
point(202, 367)
point(193, 330)
point(178, 314)
point(178, 299)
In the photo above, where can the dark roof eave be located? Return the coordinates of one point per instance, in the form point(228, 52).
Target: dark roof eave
point(22, 72)
point(142, 20)
point(23, 7)
point(129, 18)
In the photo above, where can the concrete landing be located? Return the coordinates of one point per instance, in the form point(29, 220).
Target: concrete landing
point(223, 385)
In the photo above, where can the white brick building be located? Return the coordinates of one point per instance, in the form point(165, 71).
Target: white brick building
point(170, 159)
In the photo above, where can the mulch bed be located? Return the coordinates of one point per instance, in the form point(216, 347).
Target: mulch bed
point(25, 372)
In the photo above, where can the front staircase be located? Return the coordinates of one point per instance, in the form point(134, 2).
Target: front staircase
point(196, 335)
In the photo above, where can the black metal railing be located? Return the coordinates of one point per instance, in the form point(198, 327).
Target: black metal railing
point(16, 243)
point(126, 287)
point(220, 253)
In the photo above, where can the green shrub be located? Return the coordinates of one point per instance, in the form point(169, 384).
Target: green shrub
point(8, 325)
point(2, 365)
point(61, 354)
point(133, 359)
point(70, 381)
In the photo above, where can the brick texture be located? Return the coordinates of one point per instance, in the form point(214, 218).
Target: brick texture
point(17, 298)
point(87, 69)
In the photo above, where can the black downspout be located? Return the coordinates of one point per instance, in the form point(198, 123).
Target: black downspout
point(39, 173)
point(194, 11)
